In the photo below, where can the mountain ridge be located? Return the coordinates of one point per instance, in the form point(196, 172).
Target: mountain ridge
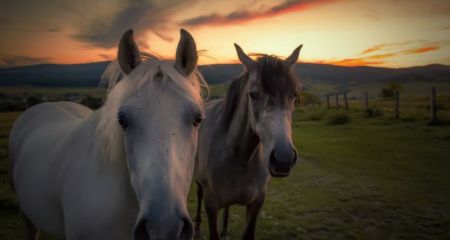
point(88, 74)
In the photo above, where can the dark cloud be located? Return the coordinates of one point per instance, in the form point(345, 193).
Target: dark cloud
point(141, 15)
point(240, 16)
point(4, 21)
point(55, 29)
point(8, 60)
point(421, 8)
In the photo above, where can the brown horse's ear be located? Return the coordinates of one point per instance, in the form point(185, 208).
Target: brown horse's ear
point(186, 58)
point(244, 58)
point(128, 54)
point(291, 60)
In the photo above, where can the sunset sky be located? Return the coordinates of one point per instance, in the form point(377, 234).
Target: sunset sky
point(389, 33)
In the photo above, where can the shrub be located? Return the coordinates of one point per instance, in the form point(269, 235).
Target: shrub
point(316, 116)
point(409, 119)
point(374, 112)
point(390, 90)
point(12, 106)
point(386, 93)
point(92, 102)
point(308, 99)
point(34, 100)
point(339, 118)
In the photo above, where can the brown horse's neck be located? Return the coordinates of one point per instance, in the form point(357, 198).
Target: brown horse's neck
point(240, 136)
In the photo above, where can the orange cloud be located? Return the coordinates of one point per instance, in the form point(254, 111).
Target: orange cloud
point(385, 46)
point(352, 62)
point(421, 50)
point(238, 17)
point(373, 49)
point(382, 56)
point(364, 61)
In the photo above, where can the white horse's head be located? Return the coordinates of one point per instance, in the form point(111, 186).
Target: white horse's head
point(158, 106)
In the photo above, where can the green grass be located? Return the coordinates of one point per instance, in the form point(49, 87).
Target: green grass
point(372, 178)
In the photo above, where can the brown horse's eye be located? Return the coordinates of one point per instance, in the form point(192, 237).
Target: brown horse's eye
point(159, 75)
point(253, 95)
point(198, 120)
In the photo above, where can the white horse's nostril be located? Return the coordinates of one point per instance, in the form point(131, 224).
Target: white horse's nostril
point(187, 229)
point(140, 231)
point(294, 158)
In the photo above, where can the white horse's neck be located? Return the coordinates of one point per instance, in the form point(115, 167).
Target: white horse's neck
point(108, 137)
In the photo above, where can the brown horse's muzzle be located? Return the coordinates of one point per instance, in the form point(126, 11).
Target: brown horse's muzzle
point(281, 162)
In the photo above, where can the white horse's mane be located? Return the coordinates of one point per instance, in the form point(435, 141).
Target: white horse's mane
point(120, 87)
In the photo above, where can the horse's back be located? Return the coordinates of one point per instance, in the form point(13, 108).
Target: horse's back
point(48, 114)
point(36, 142)
point(46, 119)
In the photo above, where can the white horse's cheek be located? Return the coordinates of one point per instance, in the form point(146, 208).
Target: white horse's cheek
point(134, 184)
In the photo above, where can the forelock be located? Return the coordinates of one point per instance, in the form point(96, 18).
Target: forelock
point(277, 79)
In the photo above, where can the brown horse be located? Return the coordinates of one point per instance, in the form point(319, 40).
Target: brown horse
point(246, 137)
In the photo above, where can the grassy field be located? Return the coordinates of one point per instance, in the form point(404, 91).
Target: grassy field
point(369, 178)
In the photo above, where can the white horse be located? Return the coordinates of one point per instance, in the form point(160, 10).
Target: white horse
point(120, 172)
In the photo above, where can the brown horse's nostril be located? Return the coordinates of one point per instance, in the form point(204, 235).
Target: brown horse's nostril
point(280, 166)
point(272, 158)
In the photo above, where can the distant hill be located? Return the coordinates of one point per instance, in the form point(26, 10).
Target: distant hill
point(54, 75)
point(88, 75)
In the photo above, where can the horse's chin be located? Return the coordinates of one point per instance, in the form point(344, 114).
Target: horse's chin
point(276, 174)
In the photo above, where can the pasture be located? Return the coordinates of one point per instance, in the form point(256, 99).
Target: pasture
point(368, 178)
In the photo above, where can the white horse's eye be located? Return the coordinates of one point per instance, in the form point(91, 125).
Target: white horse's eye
point(123, 121)
point(198, 119)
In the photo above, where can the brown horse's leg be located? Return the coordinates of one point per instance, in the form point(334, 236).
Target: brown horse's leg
point(211, 212)
point(252, 215)
point(198, 217)
point(32, 232)
point(224, 233)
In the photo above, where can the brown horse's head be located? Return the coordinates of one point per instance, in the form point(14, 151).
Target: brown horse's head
point(271, 90)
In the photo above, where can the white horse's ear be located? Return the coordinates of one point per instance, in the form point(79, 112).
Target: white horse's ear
point(186, 58)
point(128, 54)
point(291, 60)
point(244, 58)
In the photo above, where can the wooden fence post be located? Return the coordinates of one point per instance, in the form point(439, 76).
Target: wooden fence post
point(337, 101)
point(366, 100)
point(433, 105)
point(328, 101)
point(397, 104)
point(345, 101)
point(301, 99)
